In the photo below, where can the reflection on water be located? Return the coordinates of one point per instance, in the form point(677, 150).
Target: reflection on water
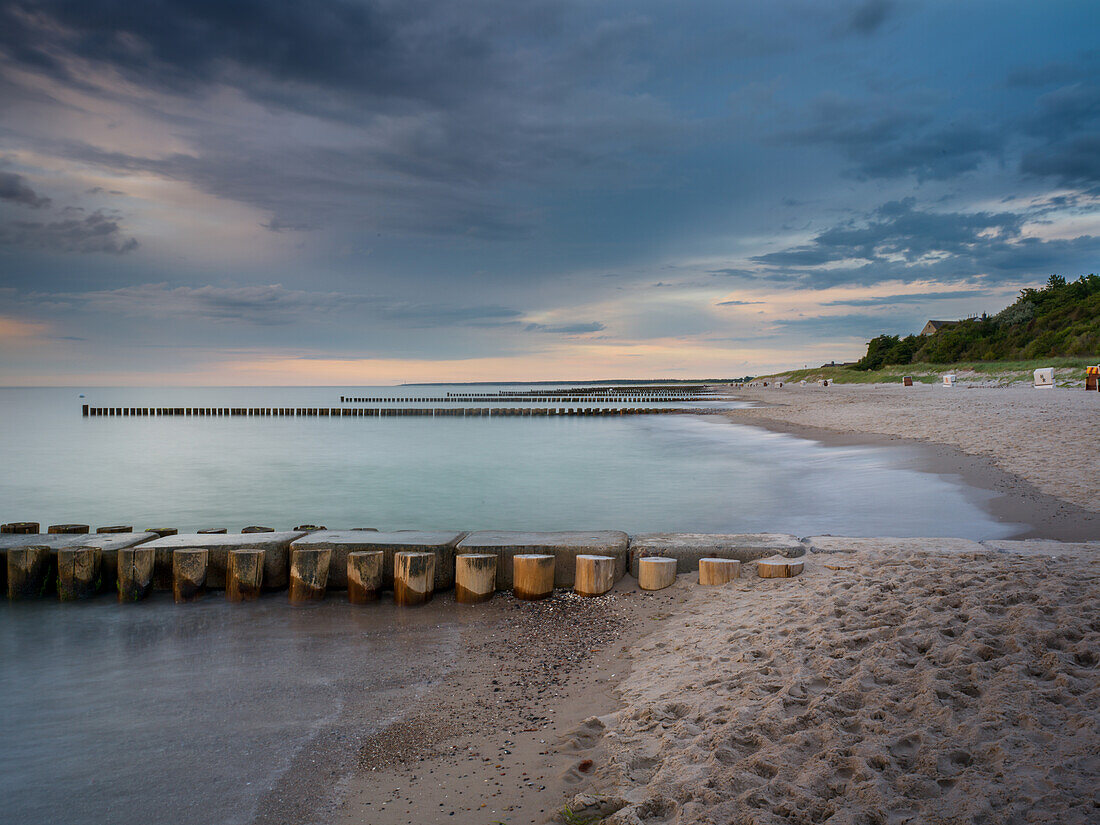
point(673, 473)
point(188, 714)
point(156, 713)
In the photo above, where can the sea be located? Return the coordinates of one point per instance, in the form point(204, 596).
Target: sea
point(191, 714)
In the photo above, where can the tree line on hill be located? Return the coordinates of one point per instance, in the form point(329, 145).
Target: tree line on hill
point(1060, 319)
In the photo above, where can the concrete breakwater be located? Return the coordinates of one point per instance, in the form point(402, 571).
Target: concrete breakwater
point(320, 559)
point(355, 412)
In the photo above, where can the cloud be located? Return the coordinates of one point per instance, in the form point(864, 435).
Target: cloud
point(14, 190)
point(869, 16)
point(566, 329)
point(889, 137)
point(738, 303)
point(1073, 162)
point(95, 233)
point(909, 298)
point(900, 242)
point(264, 305)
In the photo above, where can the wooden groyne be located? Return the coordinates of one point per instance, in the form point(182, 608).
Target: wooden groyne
point(309, 566)
point(368, 412)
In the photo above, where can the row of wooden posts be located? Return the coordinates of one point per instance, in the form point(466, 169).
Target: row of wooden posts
point(79, 574)
point(351, 412)
point(526, 399)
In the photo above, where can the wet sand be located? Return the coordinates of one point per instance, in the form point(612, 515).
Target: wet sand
point(1049, 439)
point(498, 740)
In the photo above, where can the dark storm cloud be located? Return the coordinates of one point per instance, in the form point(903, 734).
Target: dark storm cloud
point(870, 15)
point(1074, 162)
point(885, 138)
point(14, 190)
point(95, 233)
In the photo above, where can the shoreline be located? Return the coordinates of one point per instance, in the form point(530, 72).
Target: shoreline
point(1016, 499)
point(1040, 475)
point(505, 735)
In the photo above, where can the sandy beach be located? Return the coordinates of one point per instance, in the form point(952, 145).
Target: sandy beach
point(1051, 438)
point(895, 680)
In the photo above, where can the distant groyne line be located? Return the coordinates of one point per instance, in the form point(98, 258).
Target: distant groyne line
point(523, 399)
point(364, 412)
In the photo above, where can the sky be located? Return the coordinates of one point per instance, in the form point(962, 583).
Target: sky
point(343, 192)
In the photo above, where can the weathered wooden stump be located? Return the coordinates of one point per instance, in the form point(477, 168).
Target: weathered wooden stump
point(244, 574)
point(135, 573)
point(22, 528)
point(595, 575)
point(309, 573)
point(364, 575)
point(212, 531)
point(778, 568)
point(413, 577)
point(656, 572)
point(78, 572)
point(68, 529)
point(189, 573)
point(532, 576)
point(117, 528)
point(258, 530)
point(28, 572)
point(718, 571)
point(163, 531)
point(475, 577)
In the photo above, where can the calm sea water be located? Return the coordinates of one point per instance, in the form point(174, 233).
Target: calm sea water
point(645, 473)
point(189, 714)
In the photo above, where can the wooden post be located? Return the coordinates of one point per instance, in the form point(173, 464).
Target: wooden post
point(118, 528)
point(778, 568)
point(162, 531)
point(656, 572)
point(189, 573)
point(78, 575)
point(309, 573)
point(68, 529)
point(364, 575)
point(475, 577)
point(135, 573)
point(22, 528)
point(28, 572)
point(244, 574)
point(532, 576)
point(718, 571)
point(413, 577)
point(595, 575)
point(212, 531)
point(258, 530)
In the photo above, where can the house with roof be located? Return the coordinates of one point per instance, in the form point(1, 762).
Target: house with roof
point(936, 326)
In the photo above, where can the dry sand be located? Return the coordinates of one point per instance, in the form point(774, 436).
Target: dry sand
point(895, 683)
point(1049, 437)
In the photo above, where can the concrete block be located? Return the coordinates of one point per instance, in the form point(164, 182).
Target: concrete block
point(440, 542)
point(563, 546)
point(276, 547)
point(689, 548)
